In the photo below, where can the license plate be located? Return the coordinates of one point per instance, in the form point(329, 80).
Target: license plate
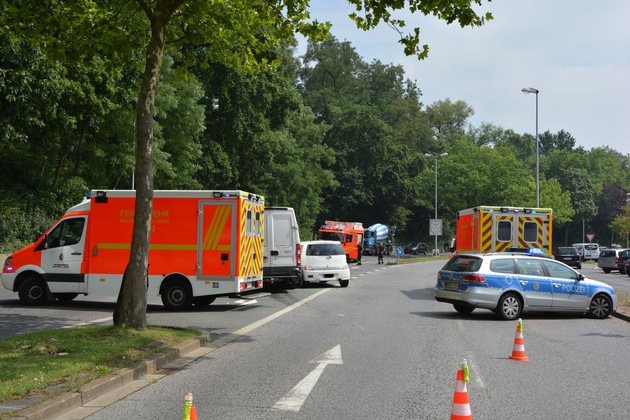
point(451, 285)
point(568, 258)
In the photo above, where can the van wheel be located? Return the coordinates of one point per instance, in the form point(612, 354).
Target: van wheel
point(509, 307)
point(579, 266)
point(66, 297)
point(344, 283)
point(600, 307)
point(33, 291)
point(606, 270)
point(290, 283)
point(177, 296)
point(204, 300)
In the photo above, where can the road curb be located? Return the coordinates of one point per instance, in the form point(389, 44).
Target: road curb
point(67, 401)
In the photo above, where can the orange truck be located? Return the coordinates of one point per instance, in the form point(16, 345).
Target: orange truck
point(203, 244)
point(350, 234)
point(498, 229)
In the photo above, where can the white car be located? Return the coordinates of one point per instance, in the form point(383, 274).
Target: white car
point(324, 261)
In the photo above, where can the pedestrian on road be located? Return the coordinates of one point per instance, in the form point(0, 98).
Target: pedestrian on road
point(360, 254)
point(381, 251)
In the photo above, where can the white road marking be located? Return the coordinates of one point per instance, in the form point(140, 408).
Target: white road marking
point(295, 398)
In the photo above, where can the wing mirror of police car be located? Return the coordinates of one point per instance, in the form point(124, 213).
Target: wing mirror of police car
point(580, 277)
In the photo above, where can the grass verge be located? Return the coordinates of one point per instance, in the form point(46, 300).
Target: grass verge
point(64, 359)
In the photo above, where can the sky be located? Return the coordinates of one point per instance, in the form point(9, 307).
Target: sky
point(575, 52)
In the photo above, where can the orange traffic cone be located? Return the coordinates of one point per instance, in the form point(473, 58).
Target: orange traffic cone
point(193, 413)
point(518, 353)
point(461, 407)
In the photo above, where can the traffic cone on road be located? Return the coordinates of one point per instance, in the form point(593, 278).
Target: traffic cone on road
point(461, 407)
point(518, 352)
point(188, 407)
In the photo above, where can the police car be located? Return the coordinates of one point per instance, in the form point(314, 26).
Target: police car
point(512, 283)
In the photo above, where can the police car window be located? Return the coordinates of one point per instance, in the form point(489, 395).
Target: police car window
point(558, 270)
point(529, 267)
point(503, 266)
point(530, 231)
point(504, 230)
point(462, 264)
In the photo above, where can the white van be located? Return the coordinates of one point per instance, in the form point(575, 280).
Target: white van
point(588, 251)
point(324, 261)
point(281, 262)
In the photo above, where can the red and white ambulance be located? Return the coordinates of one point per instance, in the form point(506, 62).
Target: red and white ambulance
point(203, 244)
point(500, 228)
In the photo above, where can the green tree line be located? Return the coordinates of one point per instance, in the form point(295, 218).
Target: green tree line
point(327, 133)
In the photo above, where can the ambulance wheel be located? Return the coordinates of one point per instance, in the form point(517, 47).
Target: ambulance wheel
point(177, 295)
point(66, 297)
point(33, 291)
point(204, 300)
point(509, 307)
point(344, 283)
point(600, 307)
point(463, 309)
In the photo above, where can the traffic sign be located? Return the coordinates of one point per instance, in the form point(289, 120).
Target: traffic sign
point(400, 250)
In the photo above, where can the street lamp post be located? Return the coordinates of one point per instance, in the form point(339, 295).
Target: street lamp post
point(436, 157)
point(533, 90)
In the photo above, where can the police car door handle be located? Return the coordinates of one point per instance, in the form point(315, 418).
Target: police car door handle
point(523, 282)
point(557, 285)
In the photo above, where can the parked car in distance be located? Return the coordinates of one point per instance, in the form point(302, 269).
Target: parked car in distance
point(609, 260)
point(624, 256)
point(568, 255)
point(588, 251)
point(509, 284)
point(626, 266)
point(324, 261)
point(416, 248)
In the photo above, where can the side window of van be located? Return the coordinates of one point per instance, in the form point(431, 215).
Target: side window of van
point(68, 232)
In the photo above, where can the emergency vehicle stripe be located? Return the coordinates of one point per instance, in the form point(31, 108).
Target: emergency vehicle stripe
point(161, 247)
point(486, 232)
point(217, 225)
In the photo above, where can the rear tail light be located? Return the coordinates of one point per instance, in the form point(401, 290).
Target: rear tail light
point(474, 278)
point(298, 254)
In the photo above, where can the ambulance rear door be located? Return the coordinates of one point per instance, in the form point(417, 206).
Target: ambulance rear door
point(217, 240)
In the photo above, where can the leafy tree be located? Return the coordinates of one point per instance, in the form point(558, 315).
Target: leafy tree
point(449, 119)
point(235, 31)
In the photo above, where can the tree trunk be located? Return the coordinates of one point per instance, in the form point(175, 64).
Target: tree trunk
point(132, 298)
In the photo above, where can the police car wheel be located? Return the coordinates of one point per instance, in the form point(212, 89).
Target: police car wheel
point(33, 291)
point(177, 296)
point(463, 309)
point(600, 307)
point(509, 307)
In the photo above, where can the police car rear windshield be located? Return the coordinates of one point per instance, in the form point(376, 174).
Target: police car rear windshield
point(463, 264)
